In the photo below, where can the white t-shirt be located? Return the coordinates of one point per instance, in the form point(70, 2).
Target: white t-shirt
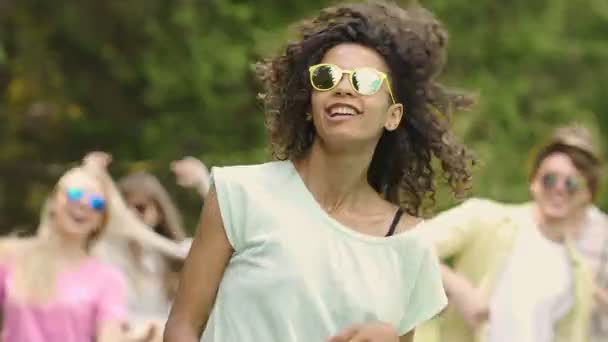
point(299, 275)
point(534, 290)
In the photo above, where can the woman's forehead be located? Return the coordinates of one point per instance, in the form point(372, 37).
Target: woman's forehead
point(80, 179)
point(352, 55)
point(137, 197)
point(559, 162)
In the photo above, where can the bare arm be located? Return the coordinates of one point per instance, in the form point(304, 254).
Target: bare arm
point(452, 230)
point(122, 222)
point(201, 276)
point(453, 282)
point(466, 298)
point(125, 224)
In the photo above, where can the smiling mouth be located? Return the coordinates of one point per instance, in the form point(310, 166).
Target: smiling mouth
point(340, 110)
point(77, 218)
point(558, 201)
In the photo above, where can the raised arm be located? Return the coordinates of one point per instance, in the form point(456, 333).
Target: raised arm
point(190, 172)
point(122, 221)
point(450, 231)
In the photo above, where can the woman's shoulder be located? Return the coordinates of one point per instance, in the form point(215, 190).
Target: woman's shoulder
point(407, 222)
point(486, 206)
point(267, 169)
point(406, 226)
point(12, 246)
point(413, 248)
point(254, 176)
point(398, 216)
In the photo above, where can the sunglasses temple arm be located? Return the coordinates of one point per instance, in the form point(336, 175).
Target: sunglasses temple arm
point(390, 90)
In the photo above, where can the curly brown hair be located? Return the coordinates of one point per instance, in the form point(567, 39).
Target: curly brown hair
point(413, 45)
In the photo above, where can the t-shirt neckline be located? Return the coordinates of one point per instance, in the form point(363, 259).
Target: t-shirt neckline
point(312, 204)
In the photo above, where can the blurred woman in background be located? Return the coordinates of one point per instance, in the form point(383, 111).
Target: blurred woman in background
point(152, 279)
point(51, 287)
point(151, 275)
point(520, 272)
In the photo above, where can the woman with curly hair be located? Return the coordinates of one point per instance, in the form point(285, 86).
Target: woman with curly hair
point(315, 245)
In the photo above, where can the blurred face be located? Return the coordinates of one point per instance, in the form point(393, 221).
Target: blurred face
point(145, 209)
point(342, 115)
point(559, 189)
point(78, 205)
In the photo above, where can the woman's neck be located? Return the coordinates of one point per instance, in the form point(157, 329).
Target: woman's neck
point(61, 247)
point(336, 179)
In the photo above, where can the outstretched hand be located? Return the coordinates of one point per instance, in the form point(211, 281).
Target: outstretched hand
point(148, 332)
point(97, 159)
point(190, 172)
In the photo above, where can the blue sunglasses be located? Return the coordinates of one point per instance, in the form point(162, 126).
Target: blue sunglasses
point(94, 202)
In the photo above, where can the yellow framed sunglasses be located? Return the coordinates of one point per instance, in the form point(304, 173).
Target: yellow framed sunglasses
point(364, 80)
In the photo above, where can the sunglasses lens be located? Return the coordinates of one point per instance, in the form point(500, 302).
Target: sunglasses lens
point(573, 184)
point(97, 203)
point(74, 194)
point(549, 181)
point(325, 77)
point(366, 81)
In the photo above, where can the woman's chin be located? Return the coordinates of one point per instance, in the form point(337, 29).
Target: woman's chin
point(555, 213)
point(72, 233)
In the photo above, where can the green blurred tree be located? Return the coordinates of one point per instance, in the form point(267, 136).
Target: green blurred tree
point(151, 81)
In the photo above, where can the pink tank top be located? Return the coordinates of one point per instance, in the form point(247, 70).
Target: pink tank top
point(86, 296)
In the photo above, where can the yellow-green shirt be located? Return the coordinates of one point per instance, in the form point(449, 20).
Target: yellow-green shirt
point(478, 236)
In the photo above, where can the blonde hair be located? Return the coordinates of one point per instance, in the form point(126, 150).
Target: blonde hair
point(36, 270)
point(148, 185)
point(170, 225)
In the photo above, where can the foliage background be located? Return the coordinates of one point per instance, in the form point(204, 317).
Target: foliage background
point(153, 80)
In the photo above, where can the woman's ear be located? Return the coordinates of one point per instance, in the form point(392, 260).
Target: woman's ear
point(395, 115)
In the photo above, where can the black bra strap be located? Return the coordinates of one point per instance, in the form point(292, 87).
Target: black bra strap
point(396, 219)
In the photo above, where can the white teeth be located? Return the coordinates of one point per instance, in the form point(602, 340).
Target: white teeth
point(342, 110)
